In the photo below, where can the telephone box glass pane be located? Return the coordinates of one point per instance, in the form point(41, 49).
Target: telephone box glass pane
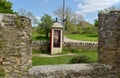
point(56, 38)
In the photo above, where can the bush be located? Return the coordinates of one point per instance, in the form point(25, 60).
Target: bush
point(81, 59)
point(83, 30)
point(89, 30)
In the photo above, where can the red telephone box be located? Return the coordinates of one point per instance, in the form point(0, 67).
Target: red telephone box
point(56, 38)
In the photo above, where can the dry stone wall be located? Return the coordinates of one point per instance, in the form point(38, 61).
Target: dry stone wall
point(44, 46)
point(92, 46)
point(109, 39)
point(15, 45)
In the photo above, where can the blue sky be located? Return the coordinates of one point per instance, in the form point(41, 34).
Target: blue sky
point(87, 8)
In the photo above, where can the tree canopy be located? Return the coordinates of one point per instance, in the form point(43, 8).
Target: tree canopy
point(96, 22)
point(6, 7)
point(59, 13)
point(46, 23)
point(71, 18)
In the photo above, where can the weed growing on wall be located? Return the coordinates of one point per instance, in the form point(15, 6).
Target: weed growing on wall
point(1, 43)
point(2, 72)
point(20, 22)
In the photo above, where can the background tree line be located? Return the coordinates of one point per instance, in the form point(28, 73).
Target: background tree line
point(73, 23)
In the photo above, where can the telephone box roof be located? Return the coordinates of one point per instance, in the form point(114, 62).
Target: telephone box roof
point(57, 25)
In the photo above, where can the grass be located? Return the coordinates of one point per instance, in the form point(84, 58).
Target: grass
point(51, 60)
point(37, 60)
point(93, 55)
point(84, 37)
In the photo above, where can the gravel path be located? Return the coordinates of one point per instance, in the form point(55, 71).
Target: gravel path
point(47, 55)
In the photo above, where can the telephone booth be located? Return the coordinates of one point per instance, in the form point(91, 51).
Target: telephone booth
point(56, 38)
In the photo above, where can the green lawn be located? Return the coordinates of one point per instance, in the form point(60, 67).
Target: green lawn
point(51, 60)
point(84, 37)
point(63, 59)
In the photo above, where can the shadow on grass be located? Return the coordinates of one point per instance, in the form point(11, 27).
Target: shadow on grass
point(92, 35)
point(40, 52)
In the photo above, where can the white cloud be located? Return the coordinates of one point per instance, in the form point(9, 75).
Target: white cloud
point(38, 17)
point(87, 6)
point(90, 8)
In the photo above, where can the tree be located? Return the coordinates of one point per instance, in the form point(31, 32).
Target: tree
point(28, 14)
point(70, 17)
point(6, 7)
point(46, 23)
point(77, 18)
point(96, 22)
point(59, 13)
point(68, 14)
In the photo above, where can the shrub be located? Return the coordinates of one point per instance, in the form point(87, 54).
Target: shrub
point(81, 59)
point(83, 30)
point(36, 52)
point(89, 30)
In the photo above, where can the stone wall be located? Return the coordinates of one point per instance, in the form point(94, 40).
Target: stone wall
point(44, 46)
point(81, 46)
point(109, 39)
point(15, 45)
point(73, 71)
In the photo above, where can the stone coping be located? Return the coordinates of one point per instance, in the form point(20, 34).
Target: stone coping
point(53, 68)
point(71, 70)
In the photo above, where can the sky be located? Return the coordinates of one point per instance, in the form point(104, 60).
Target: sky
point(88, 8)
